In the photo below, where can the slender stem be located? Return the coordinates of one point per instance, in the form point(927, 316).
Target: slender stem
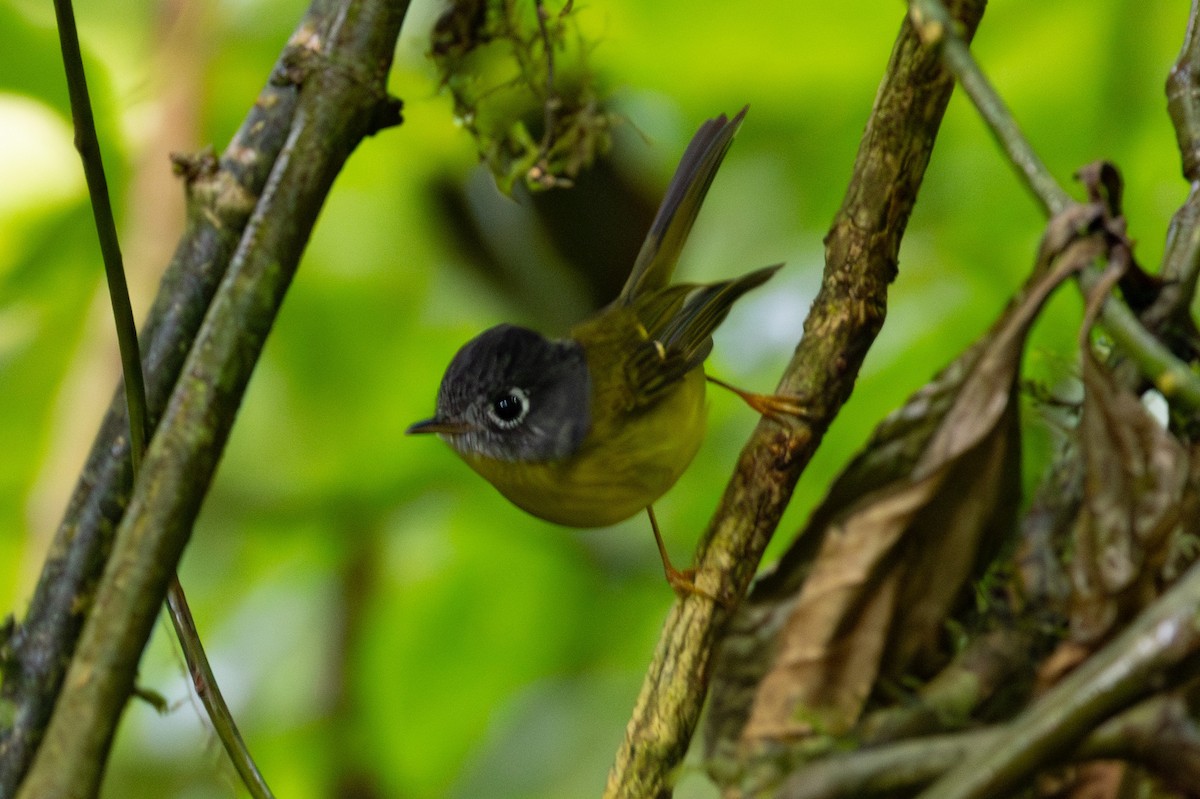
point(220, 193)
point(1172, 376)
point(88, 145)
point(337, 108)
point(550, 102)
point(935, 26)
point(205, 683)
point(1166, 636)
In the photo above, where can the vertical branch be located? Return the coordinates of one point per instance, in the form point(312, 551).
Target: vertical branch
point(1181, 260)
point(860, 262)
point(1183, 97)
point(88, 145)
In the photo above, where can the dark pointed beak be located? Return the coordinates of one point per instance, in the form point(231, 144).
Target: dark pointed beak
point(435, 425)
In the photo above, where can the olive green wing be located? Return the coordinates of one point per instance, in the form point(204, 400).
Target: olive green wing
point(678, 323)
point(673, 222)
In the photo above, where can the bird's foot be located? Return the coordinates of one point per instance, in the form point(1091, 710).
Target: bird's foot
point(683, 581)
point(773, 406)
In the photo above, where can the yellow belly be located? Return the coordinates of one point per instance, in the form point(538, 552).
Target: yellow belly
point(619, 469)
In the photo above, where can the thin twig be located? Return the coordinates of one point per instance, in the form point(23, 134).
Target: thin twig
point(550, 102)
point(1165, 637)
point(205, 684)
point(220, 196)
point(88, 145)
point(541, 172)
point(1172, 376)
point(938, 28)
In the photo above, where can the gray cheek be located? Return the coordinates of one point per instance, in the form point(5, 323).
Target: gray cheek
point(476, 441)
point(473, 443)
point(464, 443)
point(510, 445)
point(487, 442)
point(538, 439)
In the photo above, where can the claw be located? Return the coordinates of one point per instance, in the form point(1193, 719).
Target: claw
point(773, 406)
point(683, 581)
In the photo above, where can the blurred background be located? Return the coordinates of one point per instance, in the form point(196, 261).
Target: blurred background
point(382, 622)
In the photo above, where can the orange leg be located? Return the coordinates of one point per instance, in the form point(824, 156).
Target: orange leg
point(770, 405)
point(683, 581)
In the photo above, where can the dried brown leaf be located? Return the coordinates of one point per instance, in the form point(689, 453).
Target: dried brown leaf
point(1134, 483)
point(895, 551)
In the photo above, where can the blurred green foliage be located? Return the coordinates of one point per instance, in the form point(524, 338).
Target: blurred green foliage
point(378, 616)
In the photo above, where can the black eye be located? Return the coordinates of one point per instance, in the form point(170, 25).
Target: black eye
point(508, 409)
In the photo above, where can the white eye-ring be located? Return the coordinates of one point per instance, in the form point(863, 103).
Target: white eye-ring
point(508, 408)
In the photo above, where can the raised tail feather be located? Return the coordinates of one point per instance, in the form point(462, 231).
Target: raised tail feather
point(677, 213)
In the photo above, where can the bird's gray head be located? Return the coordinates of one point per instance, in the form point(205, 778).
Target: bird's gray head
point(513, 395)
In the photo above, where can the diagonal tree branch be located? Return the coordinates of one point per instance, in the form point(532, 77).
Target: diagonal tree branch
point(937, 28)
point(338, 61)
point(135, 392)
point(1165, 637)
point(1171, 376)
point(860, 262)
point(221, 195)
point(1159, 732)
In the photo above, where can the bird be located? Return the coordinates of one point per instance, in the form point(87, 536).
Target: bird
point(592, 429)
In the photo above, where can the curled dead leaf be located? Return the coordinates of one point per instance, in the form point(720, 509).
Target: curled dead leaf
point(1135, 476)
point(866, 589)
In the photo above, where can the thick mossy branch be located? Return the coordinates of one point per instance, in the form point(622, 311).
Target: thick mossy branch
point(221, 195)
point(338, 61)
point(134, 382)
point(861, 253)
